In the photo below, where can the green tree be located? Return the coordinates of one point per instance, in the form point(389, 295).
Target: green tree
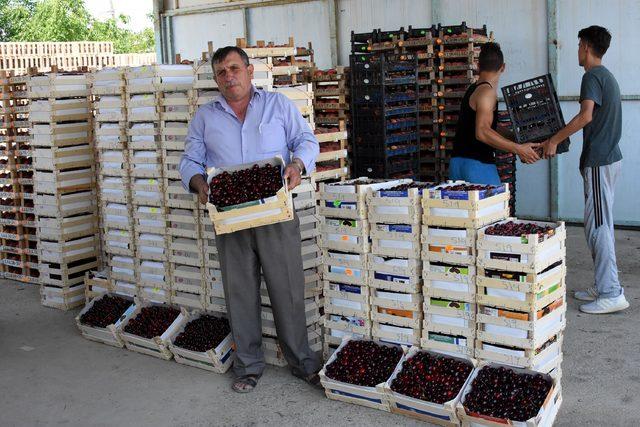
point(68, 20)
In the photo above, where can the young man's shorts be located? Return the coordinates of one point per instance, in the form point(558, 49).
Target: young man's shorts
point(473, 171)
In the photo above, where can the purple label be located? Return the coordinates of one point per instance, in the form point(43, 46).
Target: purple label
point(399, 228)
point(350, 288)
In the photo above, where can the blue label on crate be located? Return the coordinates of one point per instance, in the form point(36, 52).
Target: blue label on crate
point(350, 288)
point(351, 272)
point(398, 228)
point(394, 193)
point(391, 277)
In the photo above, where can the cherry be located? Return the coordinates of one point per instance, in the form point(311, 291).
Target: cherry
point(105, 312)
point(152, 321)
point(364, 363)
point(204, 333)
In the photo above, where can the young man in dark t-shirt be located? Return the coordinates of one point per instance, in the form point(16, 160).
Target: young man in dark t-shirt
point(477, 138)
point(600, 117)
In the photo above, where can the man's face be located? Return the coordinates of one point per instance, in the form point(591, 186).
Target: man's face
point(233, 77)
point(582, 53)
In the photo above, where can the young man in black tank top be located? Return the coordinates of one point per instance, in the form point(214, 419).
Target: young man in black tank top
point(473, 156)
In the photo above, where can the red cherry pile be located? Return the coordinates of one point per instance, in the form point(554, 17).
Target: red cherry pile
point(203, 333)
point(436, 379)
point(105, 311)
point(364, 363)
point(467, 187)
point(403, 187)
point(152, 321)
point(503, 393)
point(511, 228)
point(254, 183)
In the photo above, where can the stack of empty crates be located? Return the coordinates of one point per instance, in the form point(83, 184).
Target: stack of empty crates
point(521, 297)
point(185, 243)
point(152, 275)
point(345, 249)
point(304, 202)
point(394, 264)
point(301, 95)
point(331, 105)
point(456, 49)
point(18, 247)
point(452, 215)
point(114, 179)
point(65, 205)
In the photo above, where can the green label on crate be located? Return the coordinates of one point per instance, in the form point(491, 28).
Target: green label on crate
point(337, 203)
point(462, 306)
point(552, 289)
point(524, 240)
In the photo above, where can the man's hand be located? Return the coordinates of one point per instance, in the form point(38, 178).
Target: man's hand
point(292, 175)
point(527, 152)
point(200, 186)
point(549, 148)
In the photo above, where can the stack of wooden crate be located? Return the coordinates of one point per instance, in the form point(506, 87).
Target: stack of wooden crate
point(65, 205)
point(114, 179)
point(345, 242)
point(521, 296)
point(185, 243)
point(395, 216)
point(152, 274)
point(331, 105)
point(18, 248)
point(452, 214)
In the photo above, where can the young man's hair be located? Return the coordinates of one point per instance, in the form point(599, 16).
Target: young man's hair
point(597, 38)
point(220, 54)
point(491, 58)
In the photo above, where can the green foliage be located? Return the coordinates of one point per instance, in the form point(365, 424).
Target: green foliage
point(68, 20)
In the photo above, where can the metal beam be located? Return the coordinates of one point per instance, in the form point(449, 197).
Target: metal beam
point(436, 11)
point(157, 29)
point(236, 5)
point(552, 49)
point(245, 23)
point(332, 13)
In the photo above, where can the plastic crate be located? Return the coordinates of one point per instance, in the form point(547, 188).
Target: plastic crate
point(534, 110)
point(422, 32)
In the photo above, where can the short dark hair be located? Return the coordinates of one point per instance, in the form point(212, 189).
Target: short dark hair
point(220, 54)
point(491, 58)
point(598, 39)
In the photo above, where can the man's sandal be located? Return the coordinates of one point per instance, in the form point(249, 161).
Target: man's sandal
point(245, 383)
point(312, 379)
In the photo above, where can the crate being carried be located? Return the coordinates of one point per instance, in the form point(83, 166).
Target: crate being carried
point(253, 213)
point(535, 110)
point(464, 205)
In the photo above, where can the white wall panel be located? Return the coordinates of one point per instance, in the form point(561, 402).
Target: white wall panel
point(627, 202)
point(622, 19)
point(306, 22)
point(192, 32)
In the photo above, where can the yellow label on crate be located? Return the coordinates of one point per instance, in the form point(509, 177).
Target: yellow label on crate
point(154, 210)
point(152, 181)
point(345, 238)
point(123, 233)
point(396, 312)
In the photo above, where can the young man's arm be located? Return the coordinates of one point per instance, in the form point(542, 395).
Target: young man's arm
point(485, 104)
point(581, 119)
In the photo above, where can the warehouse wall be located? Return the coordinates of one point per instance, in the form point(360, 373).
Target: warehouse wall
point(519, 26)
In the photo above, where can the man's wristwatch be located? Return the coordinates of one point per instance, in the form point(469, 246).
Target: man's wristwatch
point(298, 163)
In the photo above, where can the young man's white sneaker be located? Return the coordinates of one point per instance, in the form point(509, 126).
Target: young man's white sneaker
point(605, 305)
point(590, 294)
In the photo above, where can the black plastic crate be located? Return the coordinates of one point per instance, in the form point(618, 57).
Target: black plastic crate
point(534, 110)
point(377, 167)
point(383, 36)
point(361, 37)
point(415, 33)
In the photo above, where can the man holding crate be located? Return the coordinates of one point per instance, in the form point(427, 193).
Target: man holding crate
point(600, 117)
point(244, 125)
point(477, 136)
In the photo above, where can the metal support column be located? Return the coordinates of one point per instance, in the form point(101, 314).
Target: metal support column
point(332, 13)
point(552, 49)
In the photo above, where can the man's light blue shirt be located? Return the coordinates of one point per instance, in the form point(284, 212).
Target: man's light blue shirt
point(272, 125)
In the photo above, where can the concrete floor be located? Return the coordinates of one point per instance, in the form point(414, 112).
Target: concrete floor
point(49, 374)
